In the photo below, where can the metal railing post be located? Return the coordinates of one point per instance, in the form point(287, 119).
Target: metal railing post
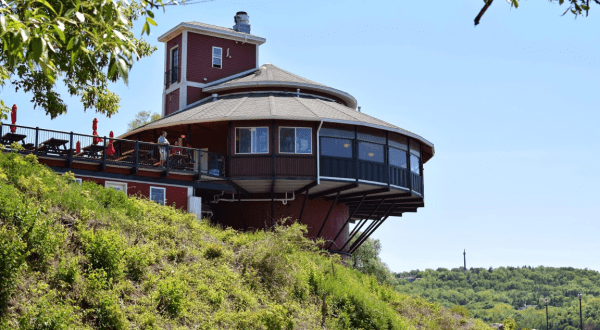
point(167, 160)
point(104, 154)
point(137, 155)
point(71, 148)
point(37, 130)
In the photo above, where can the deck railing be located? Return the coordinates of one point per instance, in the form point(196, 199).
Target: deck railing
point(347, 168)
point(110, 151)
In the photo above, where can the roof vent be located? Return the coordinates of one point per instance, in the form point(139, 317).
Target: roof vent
point(242, 22)
point(358, 108)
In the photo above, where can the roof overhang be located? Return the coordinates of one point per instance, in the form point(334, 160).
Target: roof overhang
point(232, 35)
point(347, 98)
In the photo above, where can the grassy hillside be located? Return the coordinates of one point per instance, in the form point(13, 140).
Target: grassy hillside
point(86, 257)
point(495, 294)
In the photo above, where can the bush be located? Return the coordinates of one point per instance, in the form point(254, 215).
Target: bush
point(171, 297)
point(109, 315)
point(12, 258)
point(104, 250)
point(68, 270)
point(460, 310)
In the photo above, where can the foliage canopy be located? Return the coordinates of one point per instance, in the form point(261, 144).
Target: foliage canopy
point(86, 43)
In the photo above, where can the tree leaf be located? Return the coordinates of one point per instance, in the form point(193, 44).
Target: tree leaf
point(3, 22)
point(151, 21)
point(71, 43)
point(24, 34)
point(123, 69)
point(120, 35)
point(36, 47)
point(61, 34)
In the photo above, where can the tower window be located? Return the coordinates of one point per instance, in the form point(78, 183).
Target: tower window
point(217, 57)
point(174, 72)
point(252, 140)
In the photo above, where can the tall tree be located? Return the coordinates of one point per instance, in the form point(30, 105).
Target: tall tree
point(84, 43)
point(142, 118)
point(576, 7)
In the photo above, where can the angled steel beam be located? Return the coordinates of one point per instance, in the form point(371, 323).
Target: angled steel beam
point(374, 229)
point(306, 188)
point(334, 190)
point(389, 200)
point(398, 195)
point(303, 205)
point(328, 213)
point(361, 193)
point(357, 229)
point(365, 235)
point(346, 223)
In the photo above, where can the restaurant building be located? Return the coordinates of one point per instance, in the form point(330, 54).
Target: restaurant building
point(253, 144)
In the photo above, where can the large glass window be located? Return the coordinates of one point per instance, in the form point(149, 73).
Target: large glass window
point(371, 152)
point(295, 140)
point(157, 194)
point(398, 158)
point(217, 57)
point(415, 157)
point(335, 147)
point(333, 132)
point(415, 164)
point(252, 140)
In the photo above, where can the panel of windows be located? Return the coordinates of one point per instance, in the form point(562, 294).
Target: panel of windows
point(158, 195)
point(371, 151)
point(295, 140)
point(398, 158)
point(217, 57)
point(371, 138)
point(335, 147)
point(252, 140)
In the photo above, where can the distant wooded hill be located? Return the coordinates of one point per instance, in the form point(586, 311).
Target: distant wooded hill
point(513, 292)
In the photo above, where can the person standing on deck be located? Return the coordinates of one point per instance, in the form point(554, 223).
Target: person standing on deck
point(163, 150)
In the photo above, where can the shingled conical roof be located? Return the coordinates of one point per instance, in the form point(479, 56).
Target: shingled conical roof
point(269, 75)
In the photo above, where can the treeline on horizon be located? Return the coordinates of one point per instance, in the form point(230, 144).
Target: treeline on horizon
point(494, 294)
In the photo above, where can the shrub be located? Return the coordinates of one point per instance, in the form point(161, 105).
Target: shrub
point(109, 315)
point(213, 251)
point(137, 260)
point(171, 297)
point(460, 310)
point(104, 250)
point(12, 258)
point(68, 270)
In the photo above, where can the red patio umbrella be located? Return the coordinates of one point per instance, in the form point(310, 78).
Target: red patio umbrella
point(110, 150)
point(95, 127)
point(78, 147)
point(13, 118)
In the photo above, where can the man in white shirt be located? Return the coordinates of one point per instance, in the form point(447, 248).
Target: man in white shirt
point(163, 150)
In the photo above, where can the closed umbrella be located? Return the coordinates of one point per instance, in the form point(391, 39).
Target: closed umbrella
point(95, 128)
point(13, 118)
point(110, 150)
point(78, 147)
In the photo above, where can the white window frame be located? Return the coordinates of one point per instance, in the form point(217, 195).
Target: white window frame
point(111, 184)
point(295, 151)
point(219, 57)
point(164, 194)
point(79, 181)
point(252, 142)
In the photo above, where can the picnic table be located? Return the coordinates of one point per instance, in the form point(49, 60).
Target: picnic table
point(93, 151)
point(179, 160)
point(53, 145)
point(9, 138)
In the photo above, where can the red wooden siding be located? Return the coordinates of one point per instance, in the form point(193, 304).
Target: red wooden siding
point(199, 58)
point(251, 166)
point(170, 44)
point(172, 102)
point(295, 166)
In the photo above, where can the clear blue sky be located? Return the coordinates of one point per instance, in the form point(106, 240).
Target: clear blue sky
point(511, 106)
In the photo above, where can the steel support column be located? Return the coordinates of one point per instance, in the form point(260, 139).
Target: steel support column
point(357, 229)
point(328, 214)
point(346, 223)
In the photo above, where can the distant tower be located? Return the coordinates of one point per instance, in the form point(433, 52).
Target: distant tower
point(465, 258)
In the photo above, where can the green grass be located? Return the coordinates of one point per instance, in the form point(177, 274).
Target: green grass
point(86, 257)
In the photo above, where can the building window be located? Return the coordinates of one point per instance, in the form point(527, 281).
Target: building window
point(79, 181)
point(296, 140)
point(252, 140)
point(335, 147)
point(398, 157)
point(371, 152)
point(174, 65)
point(158, 195)
point(217, 57)
point(119, 186)
point(415, 157)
